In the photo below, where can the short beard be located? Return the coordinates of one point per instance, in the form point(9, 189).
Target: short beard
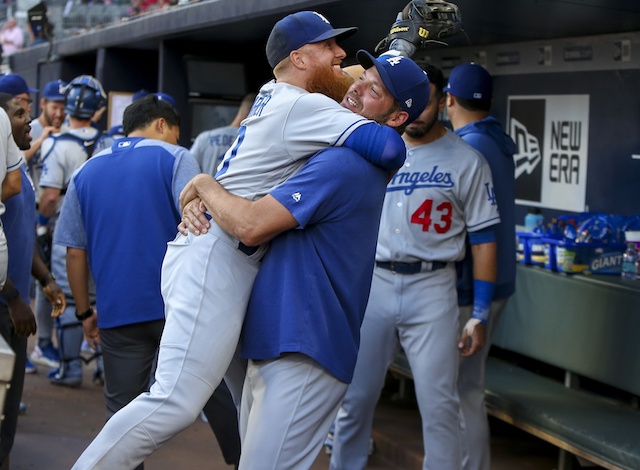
point(324, 80)
point(48, 119)
point(419, 129)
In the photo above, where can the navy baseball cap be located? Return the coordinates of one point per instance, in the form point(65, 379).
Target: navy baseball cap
point(295, 30)
point(14, 84)
point(470, 81)
point(404, 79)
point(53, 90)
point(139, 94)
point(168, 98)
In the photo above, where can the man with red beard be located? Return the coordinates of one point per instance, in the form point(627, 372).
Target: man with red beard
point(207, 280)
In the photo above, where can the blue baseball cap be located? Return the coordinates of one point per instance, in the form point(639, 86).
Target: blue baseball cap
point(14, 84)
point(295, 30)
point(470, 81)
point(139, 94)
point(168, 98)
point(404, 79)
point(52, 91)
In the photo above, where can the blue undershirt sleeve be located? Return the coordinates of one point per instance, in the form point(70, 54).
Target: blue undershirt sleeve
point(485, 235)
point(378, 144)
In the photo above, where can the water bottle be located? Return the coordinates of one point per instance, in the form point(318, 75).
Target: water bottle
point(533, 221)
point(630, 263)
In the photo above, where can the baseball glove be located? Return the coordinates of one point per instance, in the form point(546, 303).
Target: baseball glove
point(420, 23)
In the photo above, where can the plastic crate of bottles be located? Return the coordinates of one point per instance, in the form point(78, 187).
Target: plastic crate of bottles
point(529, 248)
point(594, 258)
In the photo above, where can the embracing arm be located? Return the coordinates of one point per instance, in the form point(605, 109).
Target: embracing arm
point(381, 145)
point(251, 222)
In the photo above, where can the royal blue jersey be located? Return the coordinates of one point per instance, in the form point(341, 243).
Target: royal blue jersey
point(498, 149)
point(122, 207)
point(19, 221)
point(313, 285)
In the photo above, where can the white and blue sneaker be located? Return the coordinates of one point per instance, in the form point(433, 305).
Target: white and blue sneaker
point(45, 356)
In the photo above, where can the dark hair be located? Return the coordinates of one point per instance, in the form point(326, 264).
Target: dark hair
point(142, 112)
point(474, 105)
point(436, 78)
point(4, 100)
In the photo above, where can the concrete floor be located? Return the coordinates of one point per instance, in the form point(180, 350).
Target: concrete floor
point(60, 422)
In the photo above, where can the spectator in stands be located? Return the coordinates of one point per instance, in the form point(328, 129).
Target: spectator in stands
point(11, 37)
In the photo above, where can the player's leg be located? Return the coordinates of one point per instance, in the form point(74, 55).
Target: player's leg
point(44, 353)
point(222, 416)
point(429, 335)
point(474, 424)
point(13, 393)
point(294, 402)
point(129, 354)
point(70, 335)
point(206, 283)
point(378, 346)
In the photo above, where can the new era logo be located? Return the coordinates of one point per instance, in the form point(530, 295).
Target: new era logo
point(296, 197)
point(409, 102)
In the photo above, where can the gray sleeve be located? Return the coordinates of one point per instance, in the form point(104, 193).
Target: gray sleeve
point(184, 169)
point(198, 148)
point(52, 169)
point(70, 228)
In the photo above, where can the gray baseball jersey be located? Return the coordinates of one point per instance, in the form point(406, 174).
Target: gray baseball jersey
point(66, 156)
point(35, 164)
point(210, 146)
point(10, 154)
point(296, 125)
point(444, 190)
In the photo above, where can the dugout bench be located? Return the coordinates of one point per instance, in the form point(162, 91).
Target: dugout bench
point(565, 366)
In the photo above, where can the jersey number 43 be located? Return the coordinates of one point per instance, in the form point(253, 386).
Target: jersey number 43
point(423, 216)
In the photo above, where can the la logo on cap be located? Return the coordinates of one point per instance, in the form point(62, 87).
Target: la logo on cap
point(394, 60)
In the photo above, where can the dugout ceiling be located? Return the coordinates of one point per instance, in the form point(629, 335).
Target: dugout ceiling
point(231, 23)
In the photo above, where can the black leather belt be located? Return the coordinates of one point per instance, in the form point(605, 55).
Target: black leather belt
point(247, 250)
point(411, 268)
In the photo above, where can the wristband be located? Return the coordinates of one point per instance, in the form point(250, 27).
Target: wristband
point(49, 277)
point(42, 220)
point(14, 294)
point(482, 296)
point(82, 316)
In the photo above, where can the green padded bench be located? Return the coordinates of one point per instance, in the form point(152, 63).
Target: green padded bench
point(601, 430)
point(582, 331)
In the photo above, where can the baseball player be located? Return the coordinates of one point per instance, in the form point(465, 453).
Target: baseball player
point(443, 192)
point(62, 155)
point(469, 93)
point(210, 146)
point(207, 280)
point(298, 369)
point(16, 318)
point(50, 121)
point(10, 161)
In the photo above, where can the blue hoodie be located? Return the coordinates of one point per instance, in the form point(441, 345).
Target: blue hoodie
point(498, 148)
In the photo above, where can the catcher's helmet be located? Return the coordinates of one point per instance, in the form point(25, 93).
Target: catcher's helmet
point(84, 96)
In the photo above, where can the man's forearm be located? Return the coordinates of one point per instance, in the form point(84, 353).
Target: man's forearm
point(78, 273)
point(251, 222)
